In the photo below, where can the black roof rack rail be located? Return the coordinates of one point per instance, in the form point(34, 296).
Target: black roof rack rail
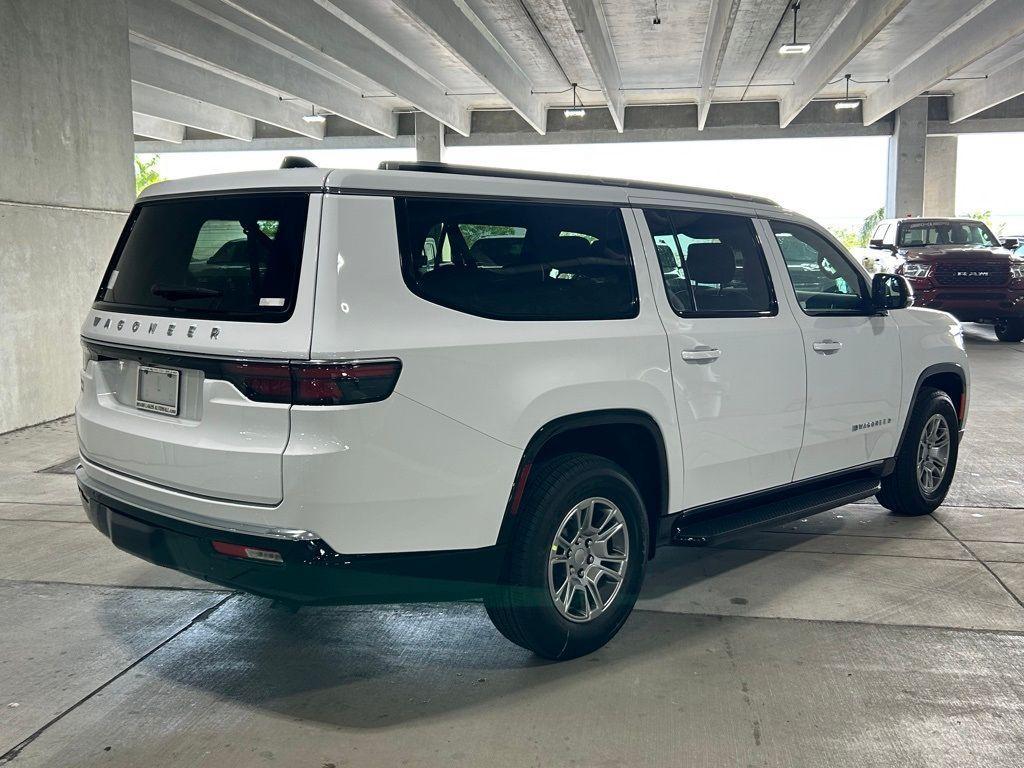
point(505, 173)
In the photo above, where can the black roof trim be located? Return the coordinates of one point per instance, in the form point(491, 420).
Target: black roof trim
point(504, 173)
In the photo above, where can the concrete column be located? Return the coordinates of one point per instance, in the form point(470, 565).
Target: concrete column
point(905, 189)
point(65, 189)
point(429, 139)
point(940, 176)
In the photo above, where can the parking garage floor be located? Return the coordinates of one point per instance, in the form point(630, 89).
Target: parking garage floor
point(850, 638)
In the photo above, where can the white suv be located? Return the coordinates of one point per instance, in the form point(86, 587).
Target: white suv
point(427, 381)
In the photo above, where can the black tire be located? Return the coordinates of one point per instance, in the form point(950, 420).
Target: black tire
point(521, 605)
point(901, 492)
point(1009, 329)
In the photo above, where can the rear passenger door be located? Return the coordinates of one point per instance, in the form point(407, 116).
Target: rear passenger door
point(854, 365)
point(737, 360)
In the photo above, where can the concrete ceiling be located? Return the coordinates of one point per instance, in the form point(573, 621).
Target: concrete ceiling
point(230, 68)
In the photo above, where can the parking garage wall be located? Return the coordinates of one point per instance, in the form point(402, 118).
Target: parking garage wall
point(65, 189)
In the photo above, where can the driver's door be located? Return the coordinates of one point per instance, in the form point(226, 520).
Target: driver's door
point(854, 371)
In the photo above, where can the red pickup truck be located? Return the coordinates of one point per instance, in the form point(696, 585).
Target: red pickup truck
point(960, 267)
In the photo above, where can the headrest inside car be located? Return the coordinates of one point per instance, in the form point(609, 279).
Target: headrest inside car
point(712, 263)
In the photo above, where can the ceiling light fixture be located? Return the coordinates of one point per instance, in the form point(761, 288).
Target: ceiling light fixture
point(577, 109)
point(313, 117)
point(848, 103)
point(794, 48)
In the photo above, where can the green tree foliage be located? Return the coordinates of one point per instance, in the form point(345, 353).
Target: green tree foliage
point(858, 238)
point(146, 173)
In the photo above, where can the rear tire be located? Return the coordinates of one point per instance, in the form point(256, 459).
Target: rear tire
point(525, 606)
point(1009, 329)
point(926, 461)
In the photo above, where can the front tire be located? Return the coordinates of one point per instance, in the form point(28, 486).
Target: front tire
point(927, 458)
point(575, 560)
point(1009, 329)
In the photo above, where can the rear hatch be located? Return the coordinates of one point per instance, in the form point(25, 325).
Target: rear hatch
point(206, 297)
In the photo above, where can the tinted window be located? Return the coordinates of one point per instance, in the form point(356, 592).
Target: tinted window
point(234, 257)
point(710, 263)
point(518, 261)
point(917, 234)
point(823, 278)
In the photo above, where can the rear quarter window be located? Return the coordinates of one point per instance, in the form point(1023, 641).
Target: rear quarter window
point(232, 257)
point(518, 260)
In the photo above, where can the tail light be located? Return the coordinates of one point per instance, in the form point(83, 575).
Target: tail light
point(320, 383)
point(247, 553)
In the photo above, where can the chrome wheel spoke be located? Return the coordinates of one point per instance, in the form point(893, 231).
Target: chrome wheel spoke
point(588, 559)
point(933, 453)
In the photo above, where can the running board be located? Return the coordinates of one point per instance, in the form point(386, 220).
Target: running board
point(725, 525)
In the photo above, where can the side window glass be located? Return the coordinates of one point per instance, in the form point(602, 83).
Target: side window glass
point(518, 260)
point(711, 263)
point(823, 278)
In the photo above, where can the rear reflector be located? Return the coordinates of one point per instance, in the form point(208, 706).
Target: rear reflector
point(330, 383)
point(247, 553)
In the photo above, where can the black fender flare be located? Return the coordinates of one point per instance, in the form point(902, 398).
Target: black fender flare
point(583, 420)
point(932, 370)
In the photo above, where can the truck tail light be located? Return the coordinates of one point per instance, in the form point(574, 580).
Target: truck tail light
point(320, 383)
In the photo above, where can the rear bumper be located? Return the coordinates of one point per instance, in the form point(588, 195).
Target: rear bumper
point(310, 572)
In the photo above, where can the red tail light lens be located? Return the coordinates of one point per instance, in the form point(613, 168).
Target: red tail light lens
point(330, 383)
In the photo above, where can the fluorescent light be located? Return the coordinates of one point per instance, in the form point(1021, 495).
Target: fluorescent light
point(847, 104)
point(314, 118)
point(787, 49)
point(576, 112)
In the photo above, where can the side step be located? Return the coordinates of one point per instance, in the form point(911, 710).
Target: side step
point(728, 523)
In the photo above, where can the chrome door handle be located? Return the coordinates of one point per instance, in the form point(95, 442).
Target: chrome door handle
point(700, 354)
point(827, 346)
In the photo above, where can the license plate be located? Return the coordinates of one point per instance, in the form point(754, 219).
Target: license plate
point(158, 390)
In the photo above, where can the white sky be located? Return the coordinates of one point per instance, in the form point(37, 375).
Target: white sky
point(837, 181)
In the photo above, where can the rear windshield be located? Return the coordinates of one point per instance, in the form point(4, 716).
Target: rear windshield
point(924, 233)
point(234, 257)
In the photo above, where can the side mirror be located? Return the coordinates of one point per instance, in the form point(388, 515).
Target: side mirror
point(1011, 243)
point(889, 291)
point(878, 245)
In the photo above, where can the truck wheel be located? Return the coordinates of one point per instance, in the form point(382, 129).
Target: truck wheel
point(926, 460)
point(575, 559)
point(1010, 329)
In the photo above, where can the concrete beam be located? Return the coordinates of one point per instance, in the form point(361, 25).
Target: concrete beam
point(153, 68)
point(716, 40)
point(429, 139)
point(848, 36)
point(590, 24)
point(940, 176)
point(179, 26)
point(157, 129)
point(907, 146)
point(980, 95)
point(455, 25)
point(321, 26)
point(979, 35)
point(196, 113)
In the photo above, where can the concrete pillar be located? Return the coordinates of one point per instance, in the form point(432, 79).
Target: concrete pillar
point(65, 189)
point(940, 176)
point(905, 188)
point(429, 139)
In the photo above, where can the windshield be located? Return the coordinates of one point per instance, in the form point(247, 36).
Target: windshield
point(918, 234)
point(231, 257)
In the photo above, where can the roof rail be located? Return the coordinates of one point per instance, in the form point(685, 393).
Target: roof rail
point(505, 173)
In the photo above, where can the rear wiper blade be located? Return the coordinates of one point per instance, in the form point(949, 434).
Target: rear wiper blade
point(176, 292)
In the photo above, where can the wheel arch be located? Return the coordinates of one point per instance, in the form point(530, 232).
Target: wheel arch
point(947, 377)
point(629, 437)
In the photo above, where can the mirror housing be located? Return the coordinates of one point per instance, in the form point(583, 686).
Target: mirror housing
point(1011, 243)
point(889, 291)
point(878, 245)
